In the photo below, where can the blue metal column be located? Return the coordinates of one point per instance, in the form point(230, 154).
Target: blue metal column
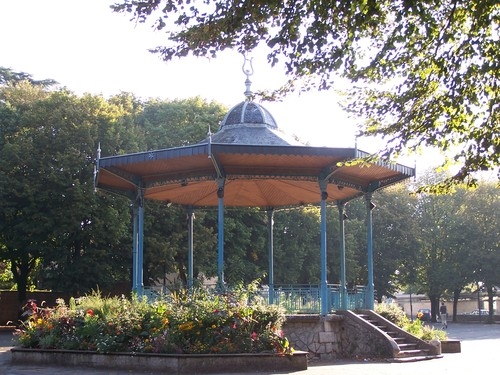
point(135, 277)
point(140, 248)
point(190, 248)
point(220, 253)
point(270, 244)
point(343, 288)
point(370, 288)
point(323, 281)
point(138, 245)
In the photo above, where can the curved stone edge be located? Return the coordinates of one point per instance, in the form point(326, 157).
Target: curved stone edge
point(170, 363)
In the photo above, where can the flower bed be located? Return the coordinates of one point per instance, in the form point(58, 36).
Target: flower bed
point(200, 322)
point(195, 332)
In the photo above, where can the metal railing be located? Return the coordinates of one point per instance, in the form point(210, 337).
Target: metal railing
point(296, 298)
point(306, 298)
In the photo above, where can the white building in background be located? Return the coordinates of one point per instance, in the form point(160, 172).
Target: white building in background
point(411, 303)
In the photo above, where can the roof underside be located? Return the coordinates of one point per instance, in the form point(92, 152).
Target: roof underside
point(254, 175)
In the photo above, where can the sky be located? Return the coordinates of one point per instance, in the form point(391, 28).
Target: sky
point(87, 48)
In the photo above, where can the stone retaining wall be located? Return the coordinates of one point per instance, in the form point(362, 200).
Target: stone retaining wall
point(321, 336)
point(336, 336)
point(364, 340)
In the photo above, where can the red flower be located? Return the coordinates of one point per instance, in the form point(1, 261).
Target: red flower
point(90, 312)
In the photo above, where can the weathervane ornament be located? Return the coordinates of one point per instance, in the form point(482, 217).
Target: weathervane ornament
point(248, 71)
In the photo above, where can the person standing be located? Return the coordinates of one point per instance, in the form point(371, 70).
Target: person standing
point(444, 315)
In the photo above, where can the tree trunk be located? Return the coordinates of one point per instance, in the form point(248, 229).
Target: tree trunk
point(434, 307)
point(21, 273)
point(491, 294)
point(456, 297)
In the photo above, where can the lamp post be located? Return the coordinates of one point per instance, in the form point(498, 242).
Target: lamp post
point(479, 285)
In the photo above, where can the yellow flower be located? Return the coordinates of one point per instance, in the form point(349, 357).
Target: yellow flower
point(186, 326)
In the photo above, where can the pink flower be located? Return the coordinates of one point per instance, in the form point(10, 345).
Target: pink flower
point(254, 336)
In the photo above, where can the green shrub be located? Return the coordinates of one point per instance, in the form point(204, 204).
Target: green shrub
point(194, 322)
point(392, 312)
point(396, 315)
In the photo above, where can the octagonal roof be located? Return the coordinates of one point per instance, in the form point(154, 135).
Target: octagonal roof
point(260, 166)
point(255, 176)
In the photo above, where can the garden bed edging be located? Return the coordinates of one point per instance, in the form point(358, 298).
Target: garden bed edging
point(168, 363)
point(451, 346)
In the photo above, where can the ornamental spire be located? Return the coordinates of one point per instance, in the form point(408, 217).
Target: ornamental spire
point(248, 71)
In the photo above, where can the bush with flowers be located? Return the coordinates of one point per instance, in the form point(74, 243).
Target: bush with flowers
point(185, 322)
point(394, 313)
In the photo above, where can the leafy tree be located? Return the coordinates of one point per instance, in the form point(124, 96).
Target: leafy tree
point(6, 277)
point(424, 73)
point(483, 220)
point(433, 215)
point(245, 246)
point(166, 243)
point(395, 246)
point(178, 123)
point(164, 238)
point(356, 241)
point(297, 246)
point(8, 76)
point(20, 236)
point(460, 265)
point(453, 247)
point(50, 215)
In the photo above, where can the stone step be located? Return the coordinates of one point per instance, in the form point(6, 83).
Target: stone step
point(392, 334)
point(408, 350)
point(411, 353)
point(407, 346)
point(413, 359)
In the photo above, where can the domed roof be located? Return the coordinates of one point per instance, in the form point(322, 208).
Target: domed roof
point(250, 123)
point(248, 112)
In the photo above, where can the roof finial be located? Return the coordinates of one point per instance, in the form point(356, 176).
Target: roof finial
point(96, 165)
point(248, 71)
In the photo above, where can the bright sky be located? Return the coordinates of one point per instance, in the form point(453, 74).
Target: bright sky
point(86, 47)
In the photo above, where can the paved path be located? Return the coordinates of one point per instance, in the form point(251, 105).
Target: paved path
point(480, 347)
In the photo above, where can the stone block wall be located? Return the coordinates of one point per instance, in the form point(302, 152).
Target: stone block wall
point(362, 340)
point(335, 336)
point(318, 335)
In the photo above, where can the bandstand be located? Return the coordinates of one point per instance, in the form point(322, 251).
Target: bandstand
point(250, 162)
